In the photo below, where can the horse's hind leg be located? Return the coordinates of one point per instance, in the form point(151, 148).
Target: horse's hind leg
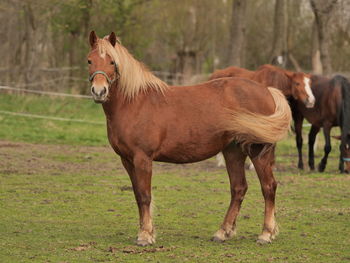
point(263, 165)
point(234, 158)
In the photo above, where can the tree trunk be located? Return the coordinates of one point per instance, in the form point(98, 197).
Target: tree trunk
point(322, 10)
point(30, 44)
point(237, 35)
point(315, 52)
point(187, 64)
point(279, 45)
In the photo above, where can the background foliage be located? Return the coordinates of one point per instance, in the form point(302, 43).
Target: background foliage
point(47, 40)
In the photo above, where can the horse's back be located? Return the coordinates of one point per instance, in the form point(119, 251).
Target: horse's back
point(231, 72)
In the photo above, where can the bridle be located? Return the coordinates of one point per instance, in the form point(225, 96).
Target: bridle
point(110, 81)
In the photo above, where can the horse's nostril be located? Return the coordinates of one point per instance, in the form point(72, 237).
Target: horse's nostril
point(93, 90)
point(103, 92)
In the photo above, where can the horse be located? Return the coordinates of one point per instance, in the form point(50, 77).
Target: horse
point(331, 107)
point(147, 121)
point(345, 128)
point(292, 84)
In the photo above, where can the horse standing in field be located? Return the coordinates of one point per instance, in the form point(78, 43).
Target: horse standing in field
point(147, 120)
point(294, 85)
point(344, 127)
point(327, 113)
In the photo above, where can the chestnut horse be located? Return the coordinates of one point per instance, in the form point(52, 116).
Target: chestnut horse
point(147, 120)
point(327, 113)
point(292, 84)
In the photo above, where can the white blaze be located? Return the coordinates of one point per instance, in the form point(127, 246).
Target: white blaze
point(311, 98)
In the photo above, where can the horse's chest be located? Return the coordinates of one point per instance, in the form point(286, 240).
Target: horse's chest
point(116, 141)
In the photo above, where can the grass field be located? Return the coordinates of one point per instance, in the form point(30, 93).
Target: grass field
point(64, 197)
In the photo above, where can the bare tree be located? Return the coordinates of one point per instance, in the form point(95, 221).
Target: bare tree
point(279, 44)
point(237, 34)
point(315, 52)
point(322, 10)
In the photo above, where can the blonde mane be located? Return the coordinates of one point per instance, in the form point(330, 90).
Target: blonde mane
point(134, 77)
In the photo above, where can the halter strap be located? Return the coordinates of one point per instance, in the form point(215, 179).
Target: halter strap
point(346, 159)
point(100, 72)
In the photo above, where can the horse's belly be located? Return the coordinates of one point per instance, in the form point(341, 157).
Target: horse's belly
point(198, 148)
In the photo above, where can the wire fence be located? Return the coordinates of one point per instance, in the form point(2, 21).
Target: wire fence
point(59, 78)
point(49, 93)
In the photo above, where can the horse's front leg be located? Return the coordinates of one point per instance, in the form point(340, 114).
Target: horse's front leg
point(312, 137)
point(140, 172)
point(341, 161)
point(327, 147)
point(298, 126)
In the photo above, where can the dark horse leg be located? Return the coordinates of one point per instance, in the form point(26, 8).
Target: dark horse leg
point(298, 125)
point(263, 163)
point(312, 137)
point(341, 162)
point(327, 147)
point(140, 173)
point(235, 159)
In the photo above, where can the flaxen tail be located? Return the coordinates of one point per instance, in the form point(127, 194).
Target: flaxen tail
point(249, 128)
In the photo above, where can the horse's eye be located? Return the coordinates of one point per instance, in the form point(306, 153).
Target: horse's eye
point(112, 62)
point(89, 61)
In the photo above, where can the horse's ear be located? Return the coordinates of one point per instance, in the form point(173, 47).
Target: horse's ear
point(92, 38)
point(112, 38)
point(338, 137)
point(289, 74)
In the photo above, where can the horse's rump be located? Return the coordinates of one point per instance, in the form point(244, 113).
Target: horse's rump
point(254, 128)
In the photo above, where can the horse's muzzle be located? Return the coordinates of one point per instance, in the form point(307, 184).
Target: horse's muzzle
point(310, 102)
point(99, 94)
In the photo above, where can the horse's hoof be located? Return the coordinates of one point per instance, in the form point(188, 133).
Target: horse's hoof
point(217, 239)
point(143, 243)
point(222, 235)
point(301, 166)
point(145, 239)
point(266, 238)
point(321, 168)
point(262, 241)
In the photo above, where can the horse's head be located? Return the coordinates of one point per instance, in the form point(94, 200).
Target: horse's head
point(103, 70)
point(301, 88)
point(345, 151)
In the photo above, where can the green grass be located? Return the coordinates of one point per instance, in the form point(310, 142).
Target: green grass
point(17, 128)
point(61, 201)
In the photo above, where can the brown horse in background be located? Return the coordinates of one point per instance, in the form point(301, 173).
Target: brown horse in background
point(147, 120)
point(292, 84)
point(326, 114)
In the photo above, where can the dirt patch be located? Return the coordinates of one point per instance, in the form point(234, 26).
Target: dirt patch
point(27, 158)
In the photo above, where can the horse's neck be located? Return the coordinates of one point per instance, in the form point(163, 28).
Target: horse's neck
point(113, 106)
point(265, 78)
point(285, 83)
point(118, 105)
